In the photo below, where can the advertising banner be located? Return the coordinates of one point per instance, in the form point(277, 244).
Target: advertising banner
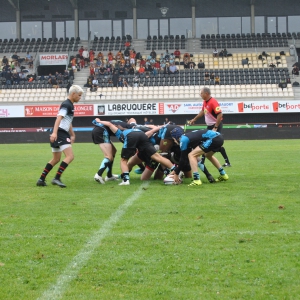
point(12, 111)
point(123, 109)
point(53, 59)
point(52, 110)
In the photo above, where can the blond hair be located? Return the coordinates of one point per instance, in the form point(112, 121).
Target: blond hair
point(75, 89)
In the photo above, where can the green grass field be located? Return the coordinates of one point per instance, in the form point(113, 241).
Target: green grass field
point(231, 240)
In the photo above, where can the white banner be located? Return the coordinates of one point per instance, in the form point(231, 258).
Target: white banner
point(12, 111)
point(131, 109)
point(53, 59)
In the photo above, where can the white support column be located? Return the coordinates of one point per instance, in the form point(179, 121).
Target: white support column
point(252, 19)
point(194, 21)
point(134, 23)
point(18, 24)
point(76, 22)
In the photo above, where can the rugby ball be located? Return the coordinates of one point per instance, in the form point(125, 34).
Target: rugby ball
point(169, 180)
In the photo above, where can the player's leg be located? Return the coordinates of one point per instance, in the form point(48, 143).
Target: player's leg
point(56, 156)
point(125, 155)
point(147, 173)
point(106, 149)
point(223, 176)
point(193, 155)
point(69, 157)
point(110, 175)
point(225, 156)
point(133, 161)
point(222, 149)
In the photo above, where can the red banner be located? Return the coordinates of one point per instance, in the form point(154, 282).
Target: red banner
point(52, 110)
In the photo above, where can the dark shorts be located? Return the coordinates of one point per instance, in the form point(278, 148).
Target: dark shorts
point(137, 140)
point(63, 138)
point(150, 164)
point(100, 135)
point(220, 127)
point(214, 146)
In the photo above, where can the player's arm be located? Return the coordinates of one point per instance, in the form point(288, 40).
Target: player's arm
point(219, 120)
point(53, 136)
point(153, 130)
point(111, 126)
point(200, 115)
point(72, 134)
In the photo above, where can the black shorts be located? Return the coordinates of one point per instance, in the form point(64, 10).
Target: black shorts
point(214, 146)
point(100, 135)
point(63, 138)
point(137, 140)
point(150, 163)
point(220, 127)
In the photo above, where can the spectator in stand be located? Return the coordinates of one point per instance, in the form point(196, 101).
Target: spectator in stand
point(212, 77)
point(120, 82)
point(95, 82)
point(115, 78)
point(186, 63)
point(136, 81)
point(127, 64)
point(173, 69)
point(156, 65)
point(91, 55)
point(102, 71)
point(100, 56)
point(85, 55)
point(177, 53)
point(217, 80)
point(192, 64)
point(15, 57)
point(215, 52)
point(295, 70)
point(126, 53)
point(16, 78)
point(142, 62)
point(272, 65)
point(153, 54)
point(186, 56)
point(141, 70)
point(132, 57)
point(125, 83)
point(92, 69)
point(4, 61)
point(167, 55)
point(110, 57)
point(171, 58)
point(120, 67)
point(80, 51)
point(146, 122)
point(28, 57)
point(89, 82)
point(225, 53)
point(66, 75)
point(131, 70)
point(53, 82)
point(206, 76)
point(201, 65)
point(166, 121)
point(59, 78)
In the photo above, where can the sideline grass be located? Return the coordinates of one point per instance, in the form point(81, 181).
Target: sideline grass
point(233, 240)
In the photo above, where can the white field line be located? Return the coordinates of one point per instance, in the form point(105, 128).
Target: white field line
point(56, 290)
